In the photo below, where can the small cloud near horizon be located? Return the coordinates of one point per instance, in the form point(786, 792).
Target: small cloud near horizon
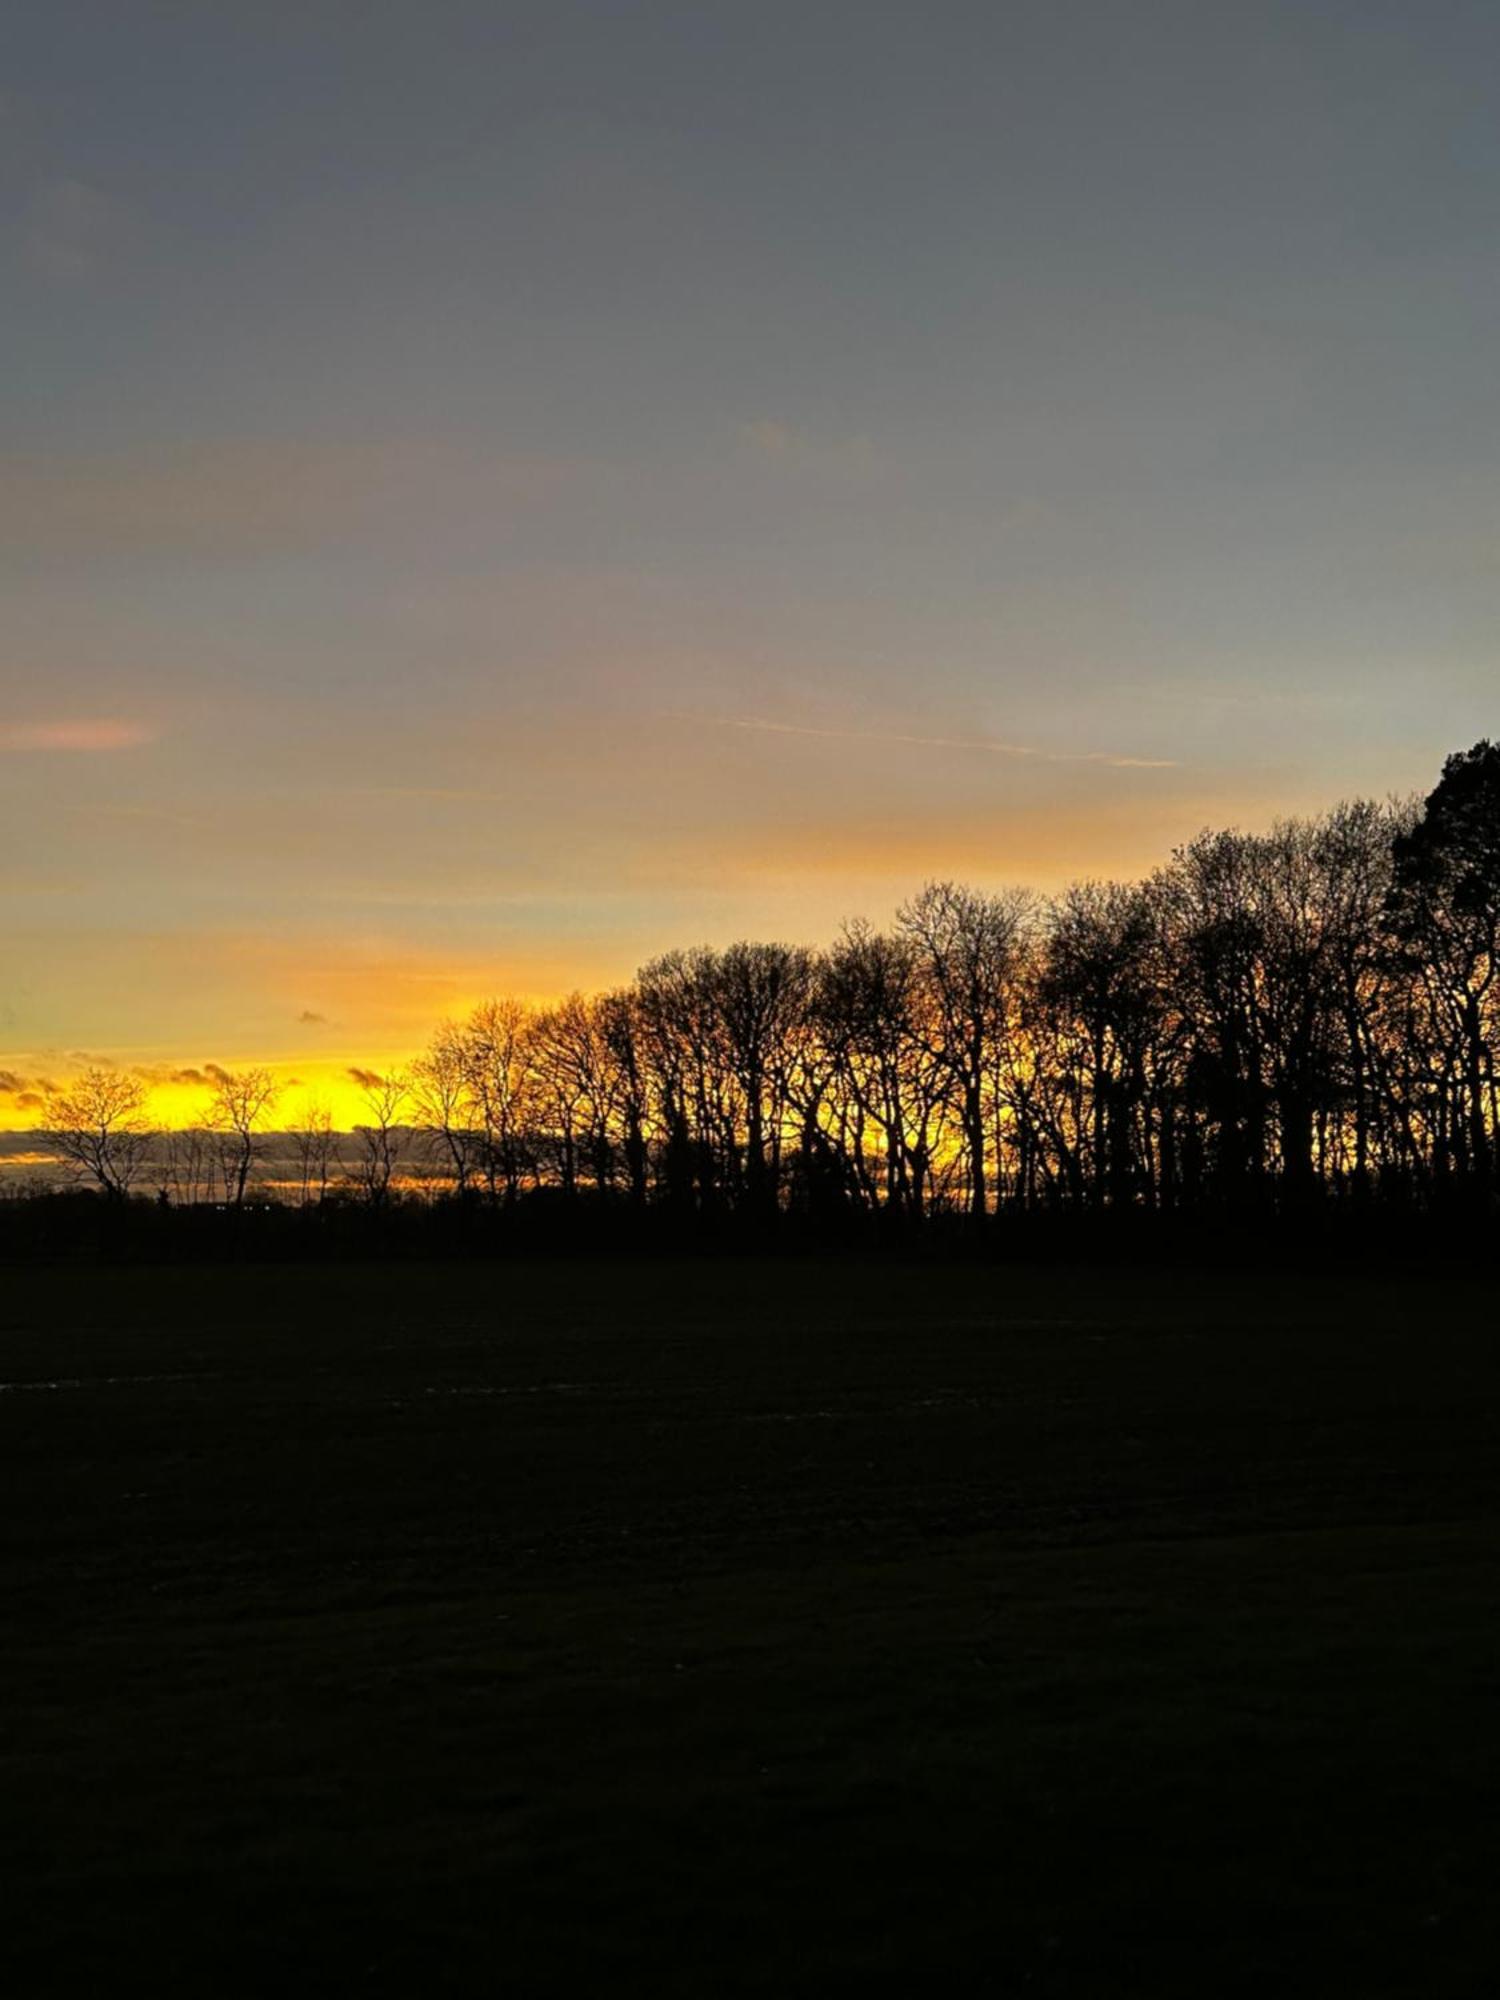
point(26, 1093)
point(309, 1019)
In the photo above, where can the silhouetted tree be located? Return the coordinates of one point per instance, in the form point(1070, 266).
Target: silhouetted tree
point(971, 950)
point(1101, 986)
point(239, 1101)
point(316, 1146)
point(444, 1102)
point(627, 1108)
point(380, 1137)
point(187, 1165)
point(1444, 911)
point(885, 1103)
point(496, 1057)
point(1295, 1017)
point(97, 1125)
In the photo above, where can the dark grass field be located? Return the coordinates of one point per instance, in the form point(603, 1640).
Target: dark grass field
point(723, 1628)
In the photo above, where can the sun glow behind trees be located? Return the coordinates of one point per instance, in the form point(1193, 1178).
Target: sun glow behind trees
point(1316, 1007)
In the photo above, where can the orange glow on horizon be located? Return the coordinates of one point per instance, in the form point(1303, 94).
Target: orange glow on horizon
point(314, 1007)
point(181, 1100)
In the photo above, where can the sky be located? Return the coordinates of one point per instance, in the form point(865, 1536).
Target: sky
point(489, 492)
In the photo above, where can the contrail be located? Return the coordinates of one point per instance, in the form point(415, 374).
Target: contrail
point(994, 746)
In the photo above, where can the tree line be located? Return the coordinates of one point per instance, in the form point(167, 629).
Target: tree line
point(1270, 1020)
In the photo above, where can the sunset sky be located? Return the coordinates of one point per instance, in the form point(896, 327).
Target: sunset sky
point(489, 492)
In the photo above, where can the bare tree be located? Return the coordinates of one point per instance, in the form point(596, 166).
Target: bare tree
point(971, 951)
point(444, 1105)
point(885, 1103)
point(622, 1050)
point(316, 1146)
point(186, 1162)
point(1096, 1038)
point(562, 1058)
point(97, 1125)
point(238, 1102)
point(496, 1058)
point(380, 1139)
point(761, 996)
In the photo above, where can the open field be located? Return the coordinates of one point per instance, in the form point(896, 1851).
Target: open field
point(714, 1628)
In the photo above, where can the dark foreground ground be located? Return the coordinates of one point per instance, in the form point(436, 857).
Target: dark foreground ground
point(706, 1629)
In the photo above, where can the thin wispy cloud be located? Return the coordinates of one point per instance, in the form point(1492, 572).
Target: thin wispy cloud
point(144, 816)
point(249, 497)
point(458, 793)
point(93, 733)
point(989, 745)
